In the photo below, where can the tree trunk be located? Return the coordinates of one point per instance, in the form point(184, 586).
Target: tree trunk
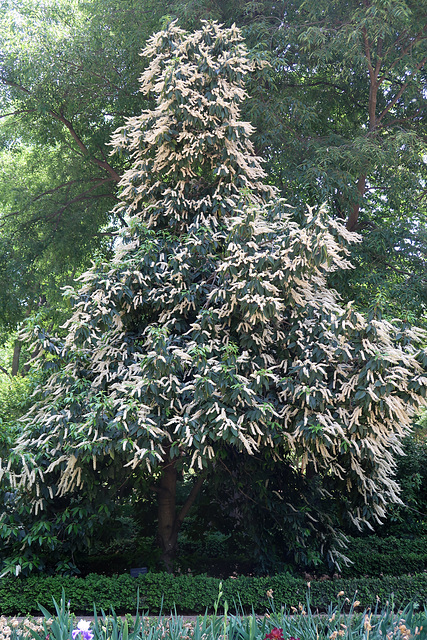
point(353, 217)
point(16, 354)
point(27, 365)
point(167, 520)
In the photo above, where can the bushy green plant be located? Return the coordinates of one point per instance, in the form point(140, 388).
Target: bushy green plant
point(276, 518)
point(15, 400)
point(410, 519)
point(194, 594)
point(375, 556)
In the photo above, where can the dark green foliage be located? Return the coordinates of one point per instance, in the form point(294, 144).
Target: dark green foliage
point(257, 531)
point(374, 556)
point(195, 594)
point(411, 518)
point(78, 533)
point(272, 517)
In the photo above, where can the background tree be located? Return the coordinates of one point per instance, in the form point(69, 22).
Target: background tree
point(68, 76)
point(340, 118)
point(213, 325)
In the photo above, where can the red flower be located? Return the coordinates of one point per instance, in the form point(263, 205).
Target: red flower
point(275, 634)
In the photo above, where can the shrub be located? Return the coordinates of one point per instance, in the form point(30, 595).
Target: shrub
point(195, 594)
point(376, 556)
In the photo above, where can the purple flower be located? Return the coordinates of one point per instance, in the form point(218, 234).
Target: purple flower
point(83, 627)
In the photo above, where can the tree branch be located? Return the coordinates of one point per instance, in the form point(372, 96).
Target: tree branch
point(323, 83)
point(379, 59)
point(380, 259)
point(416, 39)
point(401, 90)
point(239, 489)
point(101, 163)
point(354, 213)
point(80, 198)
point(190, 499)
point(68, 184)
point(403, 120)
point(367, 48)
point(17, 113)
point(79, 142)
point(58, 212)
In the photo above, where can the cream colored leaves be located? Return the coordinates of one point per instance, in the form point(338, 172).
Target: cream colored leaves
point(194, 133)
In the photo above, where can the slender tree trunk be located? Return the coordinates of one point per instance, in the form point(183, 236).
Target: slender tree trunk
point(16, 354)
point(374, 70)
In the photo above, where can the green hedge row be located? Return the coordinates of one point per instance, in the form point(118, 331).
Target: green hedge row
point(195, 594)
point(374, 556)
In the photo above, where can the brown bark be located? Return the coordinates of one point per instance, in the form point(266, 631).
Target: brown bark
point(167, 526)
point(375, 120)
point(353, 217)
point(169, 521)
point(16, 354)
point(101, 163)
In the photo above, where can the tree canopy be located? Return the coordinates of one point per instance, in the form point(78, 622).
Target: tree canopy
point(68, 76)
point(213, 325)
point(339, 118)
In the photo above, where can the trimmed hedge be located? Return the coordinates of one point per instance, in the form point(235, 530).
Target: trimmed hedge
point(374, 556)
point(195, 594)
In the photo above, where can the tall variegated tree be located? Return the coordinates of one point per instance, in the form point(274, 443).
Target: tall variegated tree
point(213, 326)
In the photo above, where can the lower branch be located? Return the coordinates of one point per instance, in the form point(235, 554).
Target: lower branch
point(190, 500)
